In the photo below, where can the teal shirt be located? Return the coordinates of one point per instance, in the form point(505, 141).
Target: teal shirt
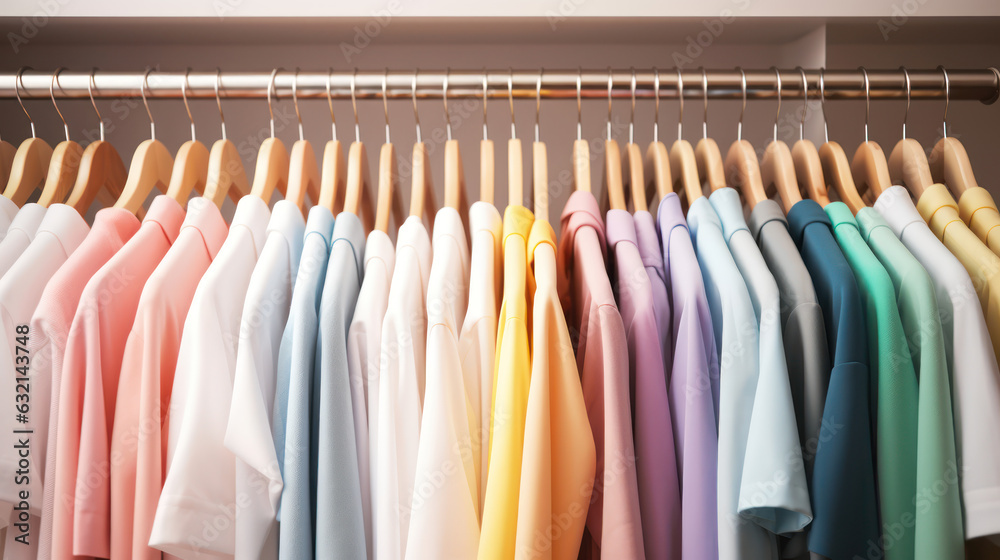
point(894, 390)
point(938, 513)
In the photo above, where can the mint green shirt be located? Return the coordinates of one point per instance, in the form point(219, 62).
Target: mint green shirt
point(939, 514)
point(894, 389)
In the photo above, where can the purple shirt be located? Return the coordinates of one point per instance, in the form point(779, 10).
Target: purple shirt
point(648, 241)
point(694, 385)
point(656, 463)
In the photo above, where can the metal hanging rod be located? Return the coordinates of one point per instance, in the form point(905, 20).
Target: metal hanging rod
point(981, 84)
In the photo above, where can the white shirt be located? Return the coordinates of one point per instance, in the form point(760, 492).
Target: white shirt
point(201, 472)
point(401, 389)
point(973, 366)
point(7, 212)
point(248, 434)
point(448, 427)
point(478, 339)
point(57, 236)
point(19, 234)
point(364, 341)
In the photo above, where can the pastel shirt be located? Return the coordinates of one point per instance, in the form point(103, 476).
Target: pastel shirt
point(977, 209)
point(559, 458)
point(364, 341)
point(296, 423)
point(656, 462)
point(8, 210)
point(340, 513)
point(478, 338)
point(88, 391)
point(648, 242)
point(141, 424)
point(249, 433)
point(201, 473)
point(694, 385)
point(401, 388)
point(50, 326)
point(844, 502)
point(19, 234)
point(447, 425)
point(894, 390)
point(938, 524)
point(511, 379)
point(975, 380)
point(613, 520)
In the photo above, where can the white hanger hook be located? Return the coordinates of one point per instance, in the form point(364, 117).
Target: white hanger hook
point(18, 84)
point(947, 100)
point(52, 86)
point(510, 96)
point(805, 101)
point(385, 103)
point(743, 107)
point(610, 85)
point(777, 113)
point(906, 113)
point(485, 97)
point(416, 115)
point(184, 86)
point(295, 102)
point(868, 100)
point(656, 115)
point(354, 104)
point(538, 102)
point(704, 93)
point(822, 104)
point(142, 90)
point(329, 101)
point(444, 96)
point(631, 118)
point(218, 100)
point(271, 88)
point(91, 83)
point(680, 105)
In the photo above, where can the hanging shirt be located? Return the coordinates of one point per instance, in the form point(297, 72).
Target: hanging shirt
point(975, 380)
point(201, 473)
point(141, 424)
point(559, 458)
point(648, 243)
point(613, 520)
point(844, 503)
point(8, 210)
point(894, 388)
point(296, 414)
point(656, 462)
point(364, 341)
point(19, 234)
point(88, 389)
point(401, 388)
point(339, 511)
point(694, 385)
point(977, 209)
point(249, 432)
point(446, 479)
point(58, 235)
point(478, 338)
point(511, 379)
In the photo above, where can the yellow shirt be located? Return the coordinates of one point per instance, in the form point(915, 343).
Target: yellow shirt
point(559, 462)
point(978, 210)
point(511, 377)
point(941, 213)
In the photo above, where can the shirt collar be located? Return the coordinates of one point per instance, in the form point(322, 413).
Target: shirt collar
point(581, 211)
point(347, 227)
point(204, 216)
point(764, 212)
point(726, 202)
point(167, 214)
point(804, 213)
point(65, 224)
point(669, 213)
point(620, 227)
point(701, 212)
point(868, 221)
point(8, 208)
point(896, 207)
point(320, 222)
point(938, 208)
point(648, 240)
point(972, 200)
point(448, 223)
point(116, 222)
point(413, 234)
point(840, 214)
point(541, 234)
point(286, 221)
point(379, 246)
point(253, 214)
point(27, 219)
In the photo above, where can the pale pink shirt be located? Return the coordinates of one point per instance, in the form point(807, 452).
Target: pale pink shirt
point(50, 325)
point(58, 235)
point(141, 424)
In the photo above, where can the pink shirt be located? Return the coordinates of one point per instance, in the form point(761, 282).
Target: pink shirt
point(50, 326)
point(89, 384)
point(139, 437)
point(613, 521)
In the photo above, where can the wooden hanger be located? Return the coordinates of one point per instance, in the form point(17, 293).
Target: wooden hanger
point(31, 160)
point(657, 162)
point(539, 164)
point(454, 176)
point(706, 152)
point(226, 174)
point(102, 172)
point(388, 182)
point(949, 161)
point(333, 174)
point(190, 171)
point(151, 167)
point(908, 162)
point(777, 168)
point(271, 171)
point(741, 161)
point(356, 198)
point(7, 151)
point(515, 163)
point(303, 174)
point(613, 184)
point(65, 163)
point(834, 161)
point(581, 148)
point(683, 162)
point(632, 162)
point(421, 184)
point(487, 166)
point(869, 166)
point(805, 156)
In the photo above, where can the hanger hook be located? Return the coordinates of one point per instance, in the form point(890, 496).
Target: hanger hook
point(444, 96)
point(805, 101)
point(295, 101)
point(329, 101)
point(947, 100)
point(743, 108)
point(19, 83)
point(510, 96)
point(822, 104)
point(631, 118)
point(385, 102)
point(680, 105)
point(485, 97)
point(354, 104)
point(142, 90)
point(704, 92)
point(906, 114)
point(610, 86)
point(184, 86)
point(656, 114)
point(538, 102)
point(777, 113)
point(52, 84)
point(579, 103)
point(90, 91)
point(270, 88)
point(416, 115)
point(864, 73)
point(218, 100)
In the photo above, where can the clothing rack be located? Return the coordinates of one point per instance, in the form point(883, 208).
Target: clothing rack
point(962, 84)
